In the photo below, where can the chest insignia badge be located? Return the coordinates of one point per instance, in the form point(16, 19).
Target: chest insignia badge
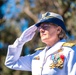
point(36, 58)
point(57, 61)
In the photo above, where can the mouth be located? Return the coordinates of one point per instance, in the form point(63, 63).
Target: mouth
point(43, 34)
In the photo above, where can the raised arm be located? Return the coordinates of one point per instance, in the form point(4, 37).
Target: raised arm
point(13, 59)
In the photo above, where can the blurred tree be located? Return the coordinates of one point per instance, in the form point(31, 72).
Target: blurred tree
point(31, 10)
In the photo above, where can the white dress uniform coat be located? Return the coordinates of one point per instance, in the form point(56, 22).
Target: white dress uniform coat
point(59, 59)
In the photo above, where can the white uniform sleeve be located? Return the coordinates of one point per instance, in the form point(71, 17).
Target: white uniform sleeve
point(72, 62)
point(13, 59)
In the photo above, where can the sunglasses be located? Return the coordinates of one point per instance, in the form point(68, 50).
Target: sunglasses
point(45, 26)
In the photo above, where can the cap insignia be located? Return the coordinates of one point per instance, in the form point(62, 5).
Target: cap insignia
point(46, 16)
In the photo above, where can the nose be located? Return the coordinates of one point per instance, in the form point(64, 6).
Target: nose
point(42, 30)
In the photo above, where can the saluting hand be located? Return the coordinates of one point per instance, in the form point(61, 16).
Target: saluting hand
point(28, 34)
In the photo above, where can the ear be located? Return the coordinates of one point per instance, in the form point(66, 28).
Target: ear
point(59, 29)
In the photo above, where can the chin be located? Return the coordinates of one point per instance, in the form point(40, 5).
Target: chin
point(44, 41)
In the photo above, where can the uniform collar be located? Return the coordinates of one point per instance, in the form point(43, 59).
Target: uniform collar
point(55, 47)
point(61, 41)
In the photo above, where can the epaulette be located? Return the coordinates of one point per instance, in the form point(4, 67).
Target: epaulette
point(68, 44)
point(40, 48)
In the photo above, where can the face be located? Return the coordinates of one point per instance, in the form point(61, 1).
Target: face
point(48, 32)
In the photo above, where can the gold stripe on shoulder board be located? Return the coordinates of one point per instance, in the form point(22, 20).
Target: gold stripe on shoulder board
point(68, 44)
point(40, 48)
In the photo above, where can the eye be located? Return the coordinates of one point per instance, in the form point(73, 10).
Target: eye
point(44, 26)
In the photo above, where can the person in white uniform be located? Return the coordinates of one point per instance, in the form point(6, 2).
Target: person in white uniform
point(57, 58)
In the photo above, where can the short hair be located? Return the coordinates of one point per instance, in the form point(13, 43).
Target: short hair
point(62, 35)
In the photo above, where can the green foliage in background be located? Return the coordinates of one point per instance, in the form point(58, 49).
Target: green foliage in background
point(32, 9)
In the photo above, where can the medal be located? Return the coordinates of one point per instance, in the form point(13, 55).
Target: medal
point(58, 61)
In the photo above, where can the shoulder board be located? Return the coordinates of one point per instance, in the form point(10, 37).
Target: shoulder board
point(40, 48)
point(68, 44)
